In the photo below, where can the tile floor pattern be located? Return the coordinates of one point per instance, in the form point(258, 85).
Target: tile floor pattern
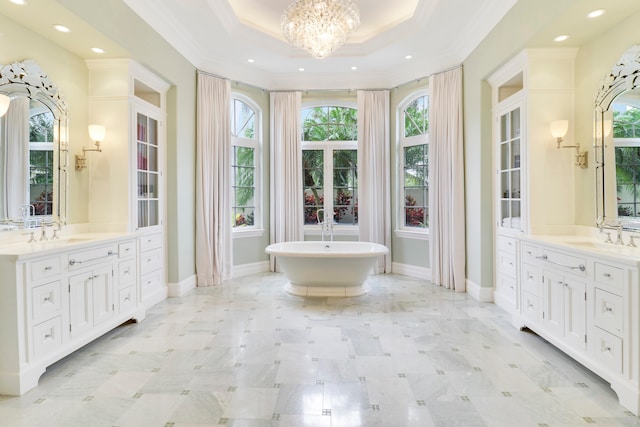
point(247, 354)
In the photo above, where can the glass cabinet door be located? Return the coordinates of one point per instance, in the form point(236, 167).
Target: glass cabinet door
point(509, 170)
point(148, 171)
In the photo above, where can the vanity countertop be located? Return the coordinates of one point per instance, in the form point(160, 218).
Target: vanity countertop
point(590, 245)
point(73, 241)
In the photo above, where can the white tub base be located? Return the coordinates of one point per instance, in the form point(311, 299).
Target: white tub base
point(326, 291)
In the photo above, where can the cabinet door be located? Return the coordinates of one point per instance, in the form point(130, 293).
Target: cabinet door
point(509, 162)
point(103, 306)
point(575, 315)
point(553, 303)
point(148, 171)
point(81, 303)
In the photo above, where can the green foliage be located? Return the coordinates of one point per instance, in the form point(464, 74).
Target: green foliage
point(330, 124)
point(416, 117)
point(41, 127)
point(626, 124)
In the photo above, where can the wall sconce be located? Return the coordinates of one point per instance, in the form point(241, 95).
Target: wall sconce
point(559, 129)
point(97, 133)
point(4, 104)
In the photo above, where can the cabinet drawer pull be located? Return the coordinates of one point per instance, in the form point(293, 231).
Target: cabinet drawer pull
point(544, 257)
point(607, 348)
point(48, 268)
point(74, 261)
point(609, 309)
point(46, 299)
point(607, 275)
point(47, 337)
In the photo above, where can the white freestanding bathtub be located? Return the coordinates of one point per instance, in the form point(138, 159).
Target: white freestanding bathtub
point(317, 268)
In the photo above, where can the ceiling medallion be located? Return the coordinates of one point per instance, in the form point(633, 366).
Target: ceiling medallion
point(319, 26)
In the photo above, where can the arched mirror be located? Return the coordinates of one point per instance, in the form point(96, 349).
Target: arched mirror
point(33, 149)
point(617, 143)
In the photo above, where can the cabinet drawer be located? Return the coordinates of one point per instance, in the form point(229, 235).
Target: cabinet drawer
point(126, 272)
point(127, 299)
point(151, 282)
point(46, 301)
point(607, 349)
point(150, 260)
point(530, 278)
point(530, 306)
point(564, 261)
point(126, 249)
point(507, 287)
point(529, 252)
point(612, 276)
point(506, 244)
point(151, 241)
point(47, 337)
point(507, 264)
point(46, 268)
point(92, 256)
point(609, 311)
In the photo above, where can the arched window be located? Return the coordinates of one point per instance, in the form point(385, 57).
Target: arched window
point(245, 141)
point(413, 152)
point(330, 163)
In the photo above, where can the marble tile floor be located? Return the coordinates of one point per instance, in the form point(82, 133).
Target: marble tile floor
point(247, 354)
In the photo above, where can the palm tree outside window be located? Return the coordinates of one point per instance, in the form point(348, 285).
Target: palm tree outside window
point(41, 161)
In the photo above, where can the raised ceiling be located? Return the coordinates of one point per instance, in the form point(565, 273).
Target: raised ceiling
point(221, 36)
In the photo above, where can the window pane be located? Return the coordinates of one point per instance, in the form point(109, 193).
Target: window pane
point(416, 185)
point(416, 117)
point(243, 122)
point(329, 124)
point(345, 185)
point(243, 186)
point(313, 178)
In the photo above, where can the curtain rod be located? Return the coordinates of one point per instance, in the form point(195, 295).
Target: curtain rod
point(307, 91)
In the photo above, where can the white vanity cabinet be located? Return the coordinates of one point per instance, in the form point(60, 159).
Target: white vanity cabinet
point(586, 303)
point(128, 182)
point(56, 297)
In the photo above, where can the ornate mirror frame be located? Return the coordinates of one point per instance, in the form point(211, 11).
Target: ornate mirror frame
point(26, 79)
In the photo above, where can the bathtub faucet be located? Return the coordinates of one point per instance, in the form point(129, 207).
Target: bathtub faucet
point(324, 225)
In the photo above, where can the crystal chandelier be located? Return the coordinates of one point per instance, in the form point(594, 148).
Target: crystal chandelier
point(319, 26)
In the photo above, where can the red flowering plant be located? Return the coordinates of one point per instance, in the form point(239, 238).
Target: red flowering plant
point(414, 217)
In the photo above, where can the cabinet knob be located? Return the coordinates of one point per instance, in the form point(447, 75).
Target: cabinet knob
point(607, 275)
point(48, 268)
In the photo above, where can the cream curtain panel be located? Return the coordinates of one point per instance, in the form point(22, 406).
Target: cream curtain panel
point(446, 181)
point(286, 213)
point(213, 181)
point(15, 159)
point(374, 201)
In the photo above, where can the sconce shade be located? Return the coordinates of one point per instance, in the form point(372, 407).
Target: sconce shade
point(97, 133)
point(4, 104)
point(559, 128)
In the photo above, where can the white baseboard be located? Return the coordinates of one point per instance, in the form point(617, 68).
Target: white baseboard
point(184, 286)
point(249, 269)
point(478, 292)
point(411, 271)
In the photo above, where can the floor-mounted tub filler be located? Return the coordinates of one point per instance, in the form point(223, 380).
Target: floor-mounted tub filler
point(322, 269)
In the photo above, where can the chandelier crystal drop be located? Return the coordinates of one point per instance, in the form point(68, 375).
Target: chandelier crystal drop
point(319, 26)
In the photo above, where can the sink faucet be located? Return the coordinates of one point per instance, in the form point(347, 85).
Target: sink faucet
point(617, 226)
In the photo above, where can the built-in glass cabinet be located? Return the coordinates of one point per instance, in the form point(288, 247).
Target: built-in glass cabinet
point(509, 169)
point(148, 171)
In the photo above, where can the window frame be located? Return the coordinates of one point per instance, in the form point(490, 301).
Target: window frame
point(257, 229)
point(328, 147)
point(402, 230)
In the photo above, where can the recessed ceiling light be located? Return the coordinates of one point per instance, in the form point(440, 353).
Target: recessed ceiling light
point(408, 57)
point(61, 28)
point(596, 13)
point(300, 69)
point(97, 50)
point(20, 2)
point(354, 68)
point(251, 60)
point(561, 38)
